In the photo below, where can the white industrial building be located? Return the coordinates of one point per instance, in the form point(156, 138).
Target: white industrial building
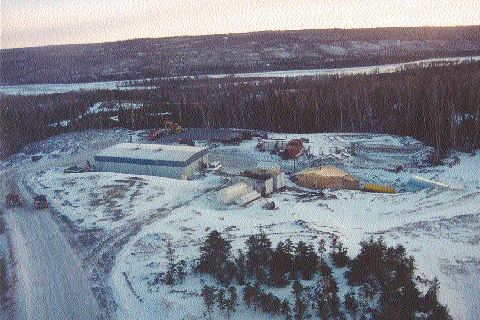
point(171, 161)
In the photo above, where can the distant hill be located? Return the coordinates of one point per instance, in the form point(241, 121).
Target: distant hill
point(233, 53)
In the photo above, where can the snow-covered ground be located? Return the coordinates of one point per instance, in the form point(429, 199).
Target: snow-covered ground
point(100, 107)
point(39, 89)
point(439, 227)
point(123, 221)
point(49, 88)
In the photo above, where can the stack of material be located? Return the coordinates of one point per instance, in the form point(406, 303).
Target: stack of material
point(247, 198)
point(328, 177)
point(240, 193)
point(231, 193)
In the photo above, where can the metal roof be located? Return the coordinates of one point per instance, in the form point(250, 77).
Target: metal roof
point(152, 154)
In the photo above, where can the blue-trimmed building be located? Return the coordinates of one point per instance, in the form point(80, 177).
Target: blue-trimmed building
point(172, 161)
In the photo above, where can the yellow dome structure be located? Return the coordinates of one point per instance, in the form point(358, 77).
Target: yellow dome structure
point(328, 177)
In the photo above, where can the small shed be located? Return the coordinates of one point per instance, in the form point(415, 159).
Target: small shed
point(328, 177)
point(267, 180)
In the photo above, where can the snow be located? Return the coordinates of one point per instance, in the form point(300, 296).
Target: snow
point(107, 200)
point(115, 106)
point(60, 124)
point(438, 226)
point(50, 88)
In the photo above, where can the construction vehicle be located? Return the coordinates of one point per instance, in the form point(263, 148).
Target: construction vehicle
point(169, 128)
point(172, 127)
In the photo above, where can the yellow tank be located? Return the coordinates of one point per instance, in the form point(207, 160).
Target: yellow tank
point(371, 187)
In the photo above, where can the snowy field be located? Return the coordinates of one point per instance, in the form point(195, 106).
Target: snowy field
point(39, 89)
point(122, 222)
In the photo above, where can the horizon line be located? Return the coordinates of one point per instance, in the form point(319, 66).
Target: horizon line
point(241, 33)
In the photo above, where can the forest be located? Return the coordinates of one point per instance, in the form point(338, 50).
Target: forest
point(439, 105)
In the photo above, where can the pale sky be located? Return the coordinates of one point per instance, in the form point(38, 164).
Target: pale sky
point(26, 23)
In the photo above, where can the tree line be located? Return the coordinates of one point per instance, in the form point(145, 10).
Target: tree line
point(438, 105)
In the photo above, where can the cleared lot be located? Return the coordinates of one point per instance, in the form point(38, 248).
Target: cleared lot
point(122, 222)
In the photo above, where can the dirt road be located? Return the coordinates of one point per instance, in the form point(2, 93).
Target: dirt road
point(50, 282)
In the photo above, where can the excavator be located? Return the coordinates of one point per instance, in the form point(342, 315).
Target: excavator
point(169, 127)
point(172, 127)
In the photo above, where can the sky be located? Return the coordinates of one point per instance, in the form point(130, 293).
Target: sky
point(27, 23)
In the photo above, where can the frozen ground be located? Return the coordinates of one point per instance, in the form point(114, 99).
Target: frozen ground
point(121, 222)
point(38, 89)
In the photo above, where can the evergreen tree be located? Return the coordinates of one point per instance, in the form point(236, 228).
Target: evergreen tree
point(439, 312)
point(286, 309)
point(221, 300)
point(170, 274)
point(270, 303)
point(180, 270)
point(231, 303)
point(228, 273)
point(281, 264)
point(431, 305)
point(390, 269)
point(331, 293)
point(240, 267)
point(430, 300)
point(322, 309)
point(321, 248)
point(258, 256)
point(351, 304)
point(300, 307)
point(249, 294)
point(324, 268)
point(339, 253)
point(306, 260)
point(214, 254)
point(208, 295)
point(327, 303)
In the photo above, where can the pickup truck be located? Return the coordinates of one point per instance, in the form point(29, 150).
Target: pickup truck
point(13, 199)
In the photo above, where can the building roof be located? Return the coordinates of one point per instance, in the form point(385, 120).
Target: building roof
point(261, 173)
point(152, 154)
